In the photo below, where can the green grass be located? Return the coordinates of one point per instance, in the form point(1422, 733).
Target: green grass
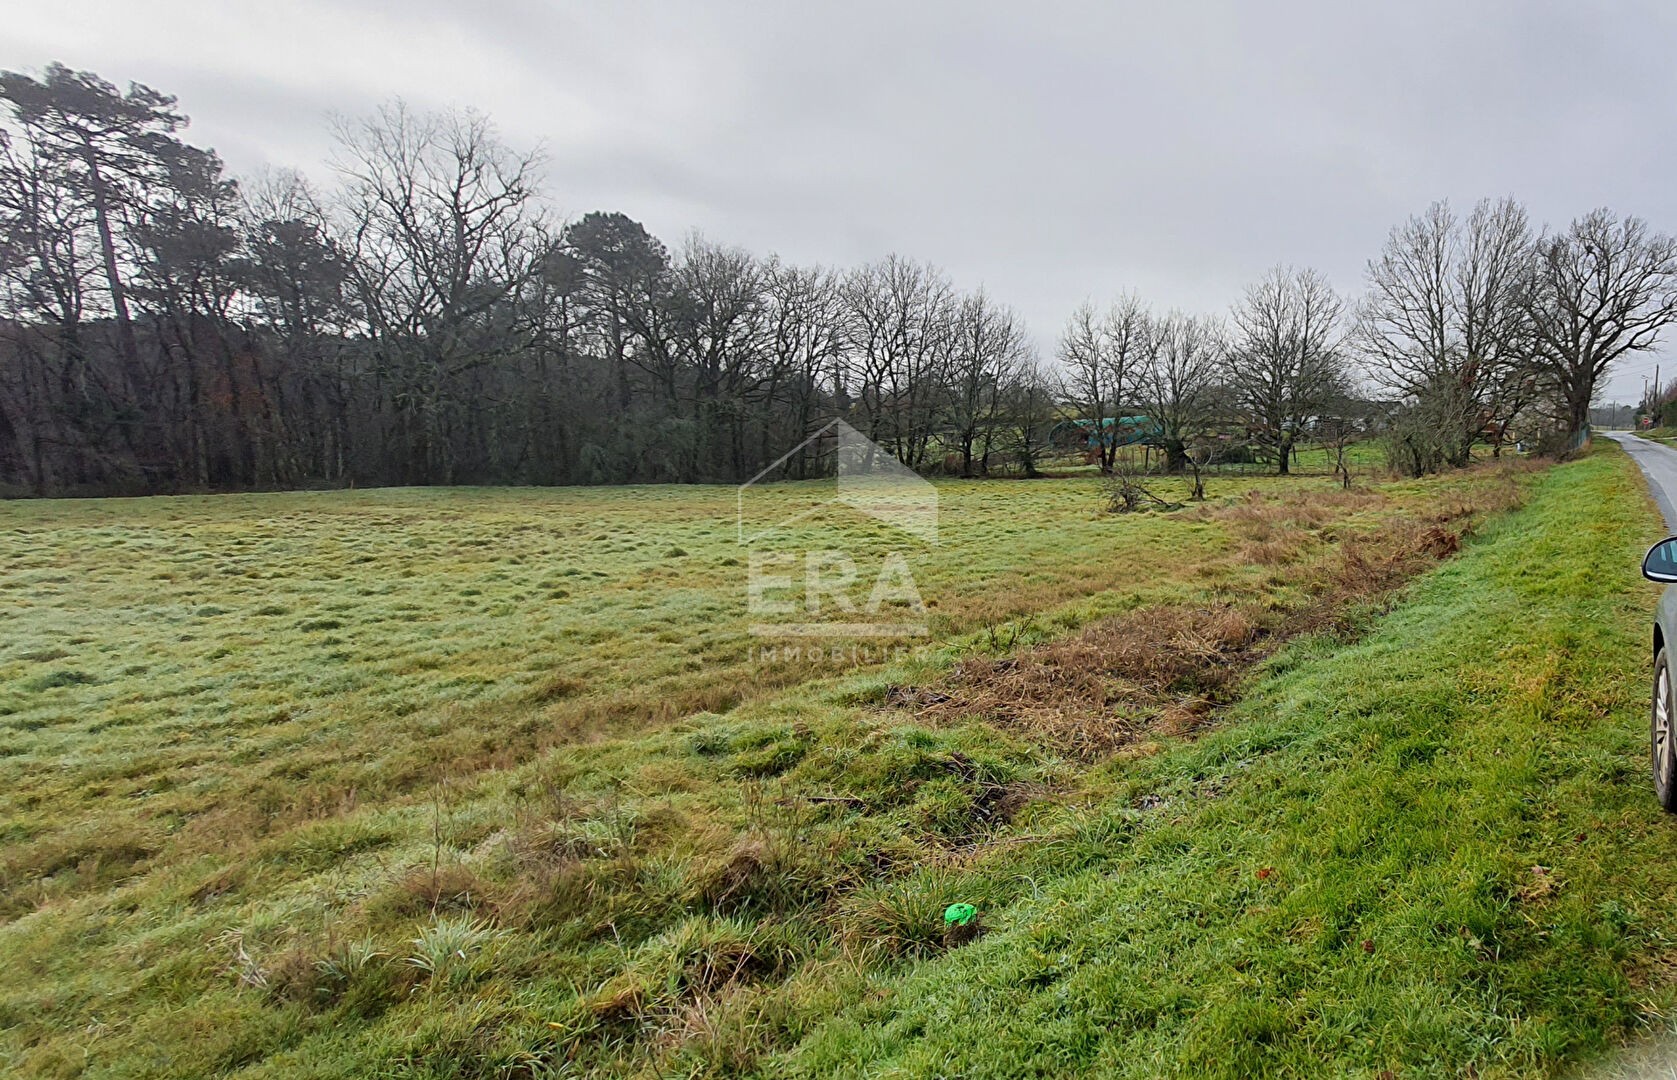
point(336, 785)
point(1344, 879)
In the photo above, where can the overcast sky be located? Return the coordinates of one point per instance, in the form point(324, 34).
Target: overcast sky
point(1050, 152)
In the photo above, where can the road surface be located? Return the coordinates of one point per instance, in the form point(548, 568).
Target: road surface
point(1659, 465)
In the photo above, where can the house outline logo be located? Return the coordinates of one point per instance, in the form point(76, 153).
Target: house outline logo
point(867, 478)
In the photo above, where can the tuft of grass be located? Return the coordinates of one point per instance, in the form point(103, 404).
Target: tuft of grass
point(62, 677)
point(904, 919)
point(448, 946)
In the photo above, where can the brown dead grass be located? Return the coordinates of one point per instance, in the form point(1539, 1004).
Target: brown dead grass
point(1155, 670)
point(1165, 670)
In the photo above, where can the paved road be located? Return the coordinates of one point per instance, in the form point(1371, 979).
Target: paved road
point(1659, 464)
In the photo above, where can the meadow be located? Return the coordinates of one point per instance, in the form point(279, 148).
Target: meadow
point(494, 783)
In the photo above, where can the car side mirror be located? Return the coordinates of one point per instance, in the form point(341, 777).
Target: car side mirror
point(1660, 564)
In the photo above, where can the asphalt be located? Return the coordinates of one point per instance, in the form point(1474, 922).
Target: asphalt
point(1659, 465)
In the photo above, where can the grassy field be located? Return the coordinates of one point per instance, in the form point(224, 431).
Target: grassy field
point(492, 783)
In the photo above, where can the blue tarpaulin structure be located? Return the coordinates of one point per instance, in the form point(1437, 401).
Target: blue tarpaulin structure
point(1112, 431)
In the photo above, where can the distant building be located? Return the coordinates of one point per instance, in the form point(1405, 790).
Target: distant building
point(1112, 431)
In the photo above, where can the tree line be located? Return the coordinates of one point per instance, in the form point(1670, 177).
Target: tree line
point(427, 319)
point(1472, 331)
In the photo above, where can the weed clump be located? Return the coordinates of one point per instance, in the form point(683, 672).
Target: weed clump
point(61, 678)
point(904, 919)
point(557, 688)
point(761, 873)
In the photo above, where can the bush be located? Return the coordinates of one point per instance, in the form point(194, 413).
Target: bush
point(1555, 443)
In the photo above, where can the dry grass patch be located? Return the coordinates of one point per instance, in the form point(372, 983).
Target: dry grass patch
point(1164, 669)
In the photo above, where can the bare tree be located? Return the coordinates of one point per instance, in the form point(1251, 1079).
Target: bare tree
point(1604, 288)
point(47, 249)
point(1493, 277)
point(1285, 363)
point(1445, 325)
point(1180, 383)
point(1030, 401)
point(1201, 452)
point(901, 316)
point(445, 234)
point(1087, 387)
point(989, 342)
point(806, 339)
point(1102, 354)
point(1405, 331)
point(47, 266)
point(720, 322)
point(1338, 434)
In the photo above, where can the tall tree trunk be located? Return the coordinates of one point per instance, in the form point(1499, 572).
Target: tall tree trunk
point(126, 341)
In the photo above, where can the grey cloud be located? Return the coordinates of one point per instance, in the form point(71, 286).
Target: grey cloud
point(1048, 152)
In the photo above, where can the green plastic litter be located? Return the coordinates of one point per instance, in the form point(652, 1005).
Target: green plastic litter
point(959, 914)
